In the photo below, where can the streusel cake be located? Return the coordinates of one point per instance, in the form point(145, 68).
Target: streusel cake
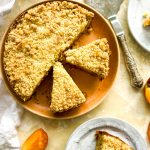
point(65, 93)
point(146, 19)
point(106, 141)
point(93, 57)
point(35, 42)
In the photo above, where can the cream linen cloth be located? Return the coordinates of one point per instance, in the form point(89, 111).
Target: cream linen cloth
point(9, 110)
point(10, 114)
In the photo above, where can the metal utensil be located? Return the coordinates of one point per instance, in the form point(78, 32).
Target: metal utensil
point(109, 9)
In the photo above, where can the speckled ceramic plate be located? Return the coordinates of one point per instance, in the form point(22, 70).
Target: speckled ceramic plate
point(94, 89)
point(83, 138)
point(136, 9)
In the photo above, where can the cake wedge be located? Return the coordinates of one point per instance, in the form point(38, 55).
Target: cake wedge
point(106, 141)
point(93, 57)
point(65, 93)
point(146, 19)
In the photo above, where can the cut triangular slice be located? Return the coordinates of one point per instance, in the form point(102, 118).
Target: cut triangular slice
point(65, 93)
point(93, 57)
point(105, 141)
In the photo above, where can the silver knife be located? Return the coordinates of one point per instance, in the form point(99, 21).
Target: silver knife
point(109, 9)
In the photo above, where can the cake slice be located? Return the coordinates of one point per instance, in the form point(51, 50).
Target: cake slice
point(65, 93)
point(146, 19)
point(105, 141)
point(93, 58)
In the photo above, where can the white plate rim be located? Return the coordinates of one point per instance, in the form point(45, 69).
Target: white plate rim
point(130, 28)
point(139, 144)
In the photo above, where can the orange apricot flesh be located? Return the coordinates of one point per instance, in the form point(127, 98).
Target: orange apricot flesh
point(147, 91)
point(38, 140)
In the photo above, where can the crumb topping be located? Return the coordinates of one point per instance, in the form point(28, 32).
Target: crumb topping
point(93, 57)
point(146, 19)
point(34, 44)
point(106, 141)
point(65, 93)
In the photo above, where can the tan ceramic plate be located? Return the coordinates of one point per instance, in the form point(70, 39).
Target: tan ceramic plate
point(95, 90)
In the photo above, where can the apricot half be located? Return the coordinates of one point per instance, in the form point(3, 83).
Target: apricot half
point(147, 91)
point(37, 140)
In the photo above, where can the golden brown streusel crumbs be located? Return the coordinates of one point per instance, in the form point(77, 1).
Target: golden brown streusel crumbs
point(146, 19)
point(93, 57)
point(105, 141)
point(65, 93)
point(35, 42)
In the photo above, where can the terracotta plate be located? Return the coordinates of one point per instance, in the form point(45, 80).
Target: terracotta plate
point(95, 90)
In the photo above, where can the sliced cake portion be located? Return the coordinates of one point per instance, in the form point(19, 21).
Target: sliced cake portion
point(93, 57)
point(65, 93)
point(146, 19)
point(105, 141)
point(37, 39)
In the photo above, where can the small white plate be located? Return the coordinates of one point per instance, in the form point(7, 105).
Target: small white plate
point(136, 10)
point(83, 138)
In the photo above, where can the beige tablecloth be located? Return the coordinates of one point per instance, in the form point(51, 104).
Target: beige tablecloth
point(123, 101)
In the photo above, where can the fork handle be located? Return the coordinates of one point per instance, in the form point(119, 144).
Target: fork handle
point(136, 79)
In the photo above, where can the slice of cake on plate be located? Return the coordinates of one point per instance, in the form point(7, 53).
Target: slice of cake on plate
point(65, 93)
point(106, 141)
point(93, 58)
point(37, 39)
point(146, 19)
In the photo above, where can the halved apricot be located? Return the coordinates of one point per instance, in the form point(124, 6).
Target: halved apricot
point(147, 91)
point(37, 140)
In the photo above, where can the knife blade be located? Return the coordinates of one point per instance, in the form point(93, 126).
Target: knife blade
point(109, 9)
